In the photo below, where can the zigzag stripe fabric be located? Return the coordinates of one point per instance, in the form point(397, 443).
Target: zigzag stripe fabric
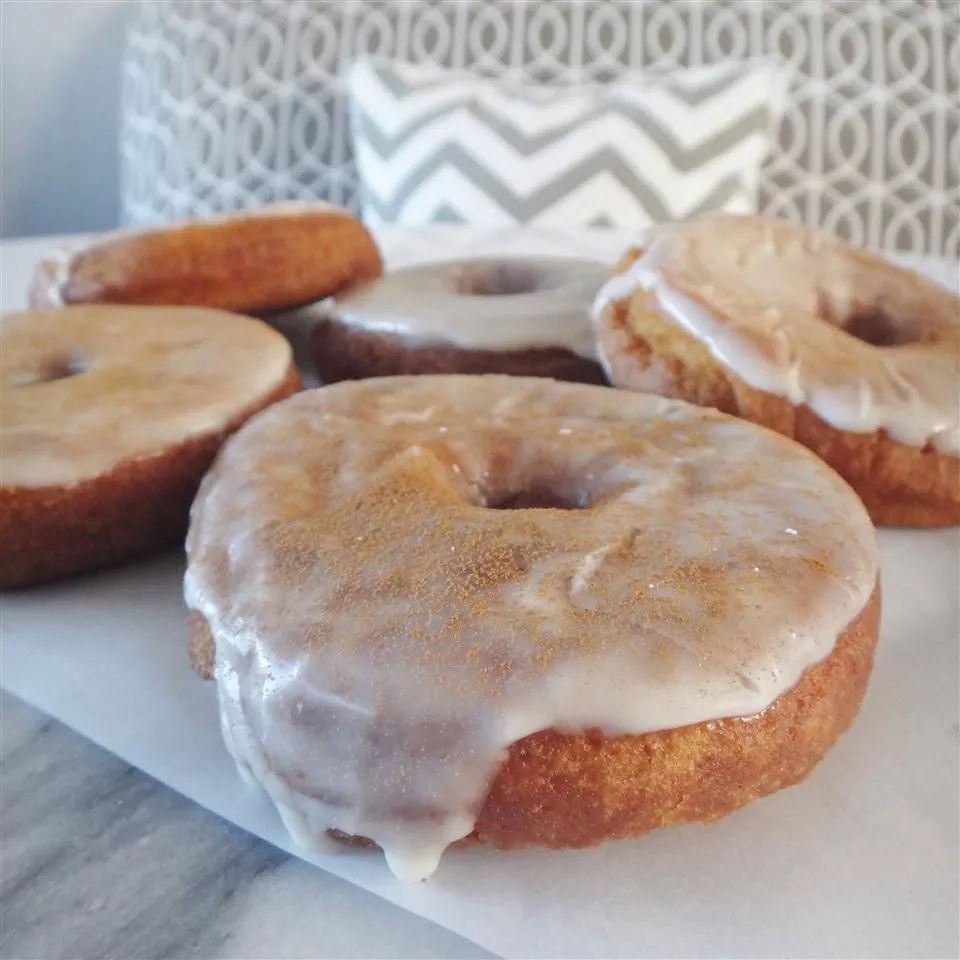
point(233, 103)
point(434, 145)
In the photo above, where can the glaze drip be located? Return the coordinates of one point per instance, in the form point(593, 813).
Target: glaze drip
point(863, 343)
point(384, 629)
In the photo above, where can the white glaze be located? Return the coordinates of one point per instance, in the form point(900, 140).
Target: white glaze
point(749, 289)
point(425, 304)
point(148, 378)
point(382, 636)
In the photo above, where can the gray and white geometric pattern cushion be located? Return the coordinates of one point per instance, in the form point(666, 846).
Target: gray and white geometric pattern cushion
point(230, 103)
point(434, 145)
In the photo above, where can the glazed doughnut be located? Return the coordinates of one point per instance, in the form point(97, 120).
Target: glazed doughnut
point(109, 417)
point(270, 258)
point(527, 316)
point(523, 612)
point(855, 358)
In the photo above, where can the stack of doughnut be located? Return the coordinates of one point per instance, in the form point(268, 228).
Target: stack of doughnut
point(450, 599)
point(115, 403)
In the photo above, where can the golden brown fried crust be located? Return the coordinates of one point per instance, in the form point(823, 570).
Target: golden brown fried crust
point(576, 790)
point(139, 507)
point(341, 352)
point(201, 649)
point(899, 485)
point(248, 265)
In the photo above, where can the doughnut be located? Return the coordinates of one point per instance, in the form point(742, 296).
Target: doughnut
point(270, 258)
point(526, 316)
point(522, 612)
point(853, 357)
point(109, 417)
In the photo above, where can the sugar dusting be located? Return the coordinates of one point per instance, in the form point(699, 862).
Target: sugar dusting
point(383, 634)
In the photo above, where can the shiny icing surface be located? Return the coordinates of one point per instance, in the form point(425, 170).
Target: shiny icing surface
point(84, 388)
point(487, 304)
point(404, 576)
point(864, 344)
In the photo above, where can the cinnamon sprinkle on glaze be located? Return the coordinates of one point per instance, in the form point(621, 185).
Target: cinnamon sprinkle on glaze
point(437, 567)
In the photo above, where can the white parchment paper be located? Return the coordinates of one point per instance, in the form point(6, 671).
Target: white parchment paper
point(860, 860)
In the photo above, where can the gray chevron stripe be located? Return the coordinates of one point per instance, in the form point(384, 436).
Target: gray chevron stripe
point(524, 209)
point(363, 122)
point(681, 158)
point(746, 115)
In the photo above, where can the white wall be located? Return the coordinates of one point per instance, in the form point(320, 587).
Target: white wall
point(59, 102)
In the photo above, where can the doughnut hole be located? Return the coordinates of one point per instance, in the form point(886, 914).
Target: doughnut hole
point(536, 498)
point(537, 476)
point(869, 322)
point(499, 279)
point(542, 473)
point(55, 368)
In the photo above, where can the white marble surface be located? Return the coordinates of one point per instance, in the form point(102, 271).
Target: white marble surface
point(99, 860)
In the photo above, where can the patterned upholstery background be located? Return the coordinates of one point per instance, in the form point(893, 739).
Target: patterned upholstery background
point(229, 103)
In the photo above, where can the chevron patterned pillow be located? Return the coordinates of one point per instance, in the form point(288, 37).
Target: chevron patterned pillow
point(435, 145)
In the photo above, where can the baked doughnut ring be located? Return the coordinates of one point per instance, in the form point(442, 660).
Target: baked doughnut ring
point(109, 418)
point(525, 316)
point(853, 357)
point(270, 258)
point(523, 612)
